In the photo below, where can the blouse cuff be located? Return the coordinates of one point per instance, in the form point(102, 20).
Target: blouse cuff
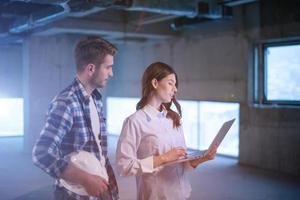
point(147, 165)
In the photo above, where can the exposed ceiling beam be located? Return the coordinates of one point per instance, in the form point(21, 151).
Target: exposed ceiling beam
point(42, 1)
point(167, 7)
point(111, 29)
point(152, 19)
point(236, 2)
point(39, 18)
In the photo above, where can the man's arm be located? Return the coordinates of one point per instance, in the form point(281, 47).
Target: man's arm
point(46, 152)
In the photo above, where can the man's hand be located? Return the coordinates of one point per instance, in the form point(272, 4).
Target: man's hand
point(95, 185)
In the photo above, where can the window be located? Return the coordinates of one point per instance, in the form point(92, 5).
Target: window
point(277, 74)
point(190, 122)
point(116, 114)
point(212, 116)
point(201, 121)
point(11, 117)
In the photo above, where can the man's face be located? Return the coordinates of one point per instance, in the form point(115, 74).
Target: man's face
point(103, 72)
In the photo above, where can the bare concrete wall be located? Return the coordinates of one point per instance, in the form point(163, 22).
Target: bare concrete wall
point(208, 68)
point(48, 68)
point(270, 138)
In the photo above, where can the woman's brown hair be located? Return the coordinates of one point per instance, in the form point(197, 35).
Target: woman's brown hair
point(158, 71)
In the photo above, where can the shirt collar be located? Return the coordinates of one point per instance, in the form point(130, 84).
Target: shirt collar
point(82, 91)
point(153, 113)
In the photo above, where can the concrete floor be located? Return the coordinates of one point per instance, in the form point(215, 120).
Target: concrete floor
point(220, 179)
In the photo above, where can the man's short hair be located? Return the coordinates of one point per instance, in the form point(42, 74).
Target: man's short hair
point(93, 50)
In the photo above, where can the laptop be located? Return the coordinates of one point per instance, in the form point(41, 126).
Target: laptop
point(193, 154)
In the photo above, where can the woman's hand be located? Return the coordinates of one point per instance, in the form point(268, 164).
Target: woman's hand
point(169, 156)
point(209, 155)
point(174, 154)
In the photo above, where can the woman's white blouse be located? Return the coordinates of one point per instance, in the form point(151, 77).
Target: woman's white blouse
point(146, 133)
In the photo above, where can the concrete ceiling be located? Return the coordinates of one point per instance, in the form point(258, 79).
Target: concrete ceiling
point(115, 19)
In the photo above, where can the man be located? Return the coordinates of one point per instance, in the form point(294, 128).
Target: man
point(75, 126)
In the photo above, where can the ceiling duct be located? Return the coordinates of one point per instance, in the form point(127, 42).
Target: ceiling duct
point(81, 8)
point(53, 10)
point(168, 7)
point(42, 1)
point(39, 18)
point(236, 2)
point(208, 10)
point(58, 9)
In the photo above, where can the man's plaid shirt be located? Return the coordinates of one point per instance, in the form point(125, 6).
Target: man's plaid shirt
point(68, 129)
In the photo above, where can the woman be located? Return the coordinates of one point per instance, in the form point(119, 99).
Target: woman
point(153, 136)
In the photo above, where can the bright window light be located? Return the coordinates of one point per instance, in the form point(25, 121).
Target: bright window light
point(11, 117)
point(282, 73)
point(118, 109)
point(212, 116)
point(190, 122)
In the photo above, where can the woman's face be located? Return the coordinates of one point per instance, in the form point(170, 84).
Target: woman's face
point(165, 89)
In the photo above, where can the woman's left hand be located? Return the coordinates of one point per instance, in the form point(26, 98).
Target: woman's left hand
point(209, 155)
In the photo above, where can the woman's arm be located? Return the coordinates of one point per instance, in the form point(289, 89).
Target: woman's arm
point(126, 154)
